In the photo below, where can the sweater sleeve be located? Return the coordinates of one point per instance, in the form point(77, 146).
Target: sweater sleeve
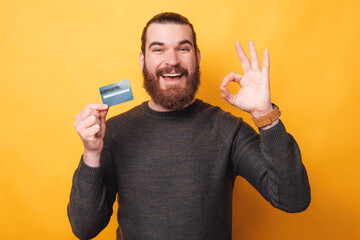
point(271, 163)
point(92, 196)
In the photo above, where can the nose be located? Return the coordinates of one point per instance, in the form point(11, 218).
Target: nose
point(172, 58)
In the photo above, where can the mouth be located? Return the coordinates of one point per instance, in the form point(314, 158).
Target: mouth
point(172, 76)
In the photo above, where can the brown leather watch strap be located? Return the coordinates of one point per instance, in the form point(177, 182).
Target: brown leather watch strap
point(267, 119)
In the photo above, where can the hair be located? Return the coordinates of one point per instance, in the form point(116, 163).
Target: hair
point(167, 17)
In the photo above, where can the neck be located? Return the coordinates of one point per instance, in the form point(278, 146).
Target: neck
point(156, 107)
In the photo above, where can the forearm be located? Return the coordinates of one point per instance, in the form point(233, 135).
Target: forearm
point(289, 188)
point(271, 163)
point(88, 210)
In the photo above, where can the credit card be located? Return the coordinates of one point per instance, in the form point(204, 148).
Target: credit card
point(116, 93)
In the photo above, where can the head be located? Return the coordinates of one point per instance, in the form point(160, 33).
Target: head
point(170, 60)
point(164, 18)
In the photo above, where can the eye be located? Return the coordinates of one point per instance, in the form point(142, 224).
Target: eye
point(184, 49)
point(157, 50)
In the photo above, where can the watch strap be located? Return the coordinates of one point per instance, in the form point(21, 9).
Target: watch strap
point(267, 119)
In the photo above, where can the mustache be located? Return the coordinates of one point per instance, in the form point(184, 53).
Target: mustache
point(171, 69)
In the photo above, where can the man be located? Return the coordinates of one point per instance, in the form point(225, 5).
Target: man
point(173, 160)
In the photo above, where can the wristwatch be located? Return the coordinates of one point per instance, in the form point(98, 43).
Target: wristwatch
point(267, 119)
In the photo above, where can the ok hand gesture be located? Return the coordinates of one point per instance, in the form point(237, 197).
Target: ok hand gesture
point(254, 94)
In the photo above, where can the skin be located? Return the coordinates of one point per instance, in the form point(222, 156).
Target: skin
point(171, 45)
point(254, 94)
point(90, 125)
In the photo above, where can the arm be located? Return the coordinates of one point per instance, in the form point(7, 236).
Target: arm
point(93, 191)
point(271, 162)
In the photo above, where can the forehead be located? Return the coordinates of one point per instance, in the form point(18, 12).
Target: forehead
point(168, 33)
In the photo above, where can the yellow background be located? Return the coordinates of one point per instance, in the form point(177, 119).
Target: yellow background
point(54, 55)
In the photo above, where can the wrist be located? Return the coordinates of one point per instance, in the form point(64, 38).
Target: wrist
point(258, 113)
point(268, 120)
point(92, 159)
point(270, 125)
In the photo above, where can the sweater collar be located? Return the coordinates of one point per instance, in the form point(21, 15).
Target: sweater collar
point(170, 114)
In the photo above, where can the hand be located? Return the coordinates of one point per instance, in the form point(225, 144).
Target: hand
point(254, 94)
point(90, 125)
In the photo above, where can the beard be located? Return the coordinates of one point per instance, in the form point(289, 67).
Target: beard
point(174, 97)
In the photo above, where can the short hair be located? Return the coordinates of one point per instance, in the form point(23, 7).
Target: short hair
point(167, 17)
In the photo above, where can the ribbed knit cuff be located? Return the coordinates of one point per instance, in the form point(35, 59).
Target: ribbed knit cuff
point(90, 175)
point(275, 136)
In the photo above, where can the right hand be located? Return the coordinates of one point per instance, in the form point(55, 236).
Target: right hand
point(90, 125)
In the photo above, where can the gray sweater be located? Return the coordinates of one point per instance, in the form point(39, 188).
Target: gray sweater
point(174, 174)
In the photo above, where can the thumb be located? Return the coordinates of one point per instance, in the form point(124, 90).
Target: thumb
point(103, 114)
point(225, 94)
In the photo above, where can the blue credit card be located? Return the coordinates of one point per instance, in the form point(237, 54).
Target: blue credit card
point(116, 93)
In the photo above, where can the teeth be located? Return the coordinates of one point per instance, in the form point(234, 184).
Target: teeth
point(172, 75)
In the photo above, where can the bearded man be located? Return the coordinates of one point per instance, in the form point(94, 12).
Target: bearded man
point(173, 160)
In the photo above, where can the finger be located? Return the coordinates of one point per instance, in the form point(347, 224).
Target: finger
point(90, 119)
point(92, 132)
point(91, 109)
point(231, 77)
point(98, 106)
point(255, 65)
point(227, 95)
point(245, 63)
point(266, 63)
point(87, 112)
point(89, 122)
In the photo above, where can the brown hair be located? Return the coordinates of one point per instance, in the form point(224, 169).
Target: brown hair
point(167, 17)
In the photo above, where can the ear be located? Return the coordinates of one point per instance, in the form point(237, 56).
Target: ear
point(198, 56)
point(141, 60)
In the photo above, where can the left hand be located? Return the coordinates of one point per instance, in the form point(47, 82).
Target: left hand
point(254, 94)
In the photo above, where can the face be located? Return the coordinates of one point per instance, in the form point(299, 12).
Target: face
point(170, 65)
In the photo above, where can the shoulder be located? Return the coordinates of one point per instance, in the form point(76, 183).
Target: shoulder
point(126, 120)
point(216, 114)
point(220, 121)
point(130, 114)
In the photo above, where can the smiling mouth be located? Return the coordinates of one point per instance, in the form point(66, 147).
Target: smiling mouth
point(172, 76)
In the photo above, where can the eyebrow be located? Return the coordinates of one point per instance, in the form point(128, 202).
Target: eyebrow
point(156, 44)
point(185, 42)
point(162, 44)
